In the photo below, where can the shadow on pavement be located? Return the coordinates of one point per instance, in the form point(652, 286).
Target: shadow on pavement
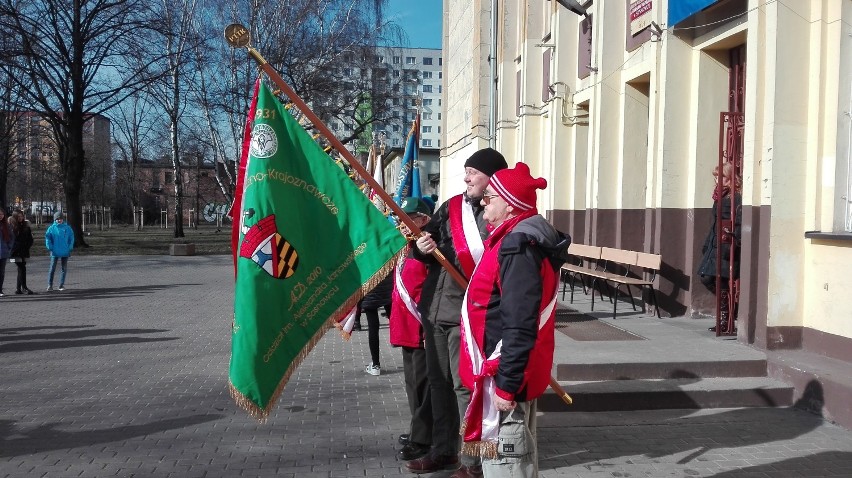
point(75, 338)
point(97, 293)
point(78, 334)
point(45, 438)
point(729, 429)
point(15, 330)
point(827, 463)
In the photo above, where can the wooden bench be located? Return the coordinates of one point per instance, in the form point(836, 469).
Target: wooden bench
point(586, 260)
point(605, 265)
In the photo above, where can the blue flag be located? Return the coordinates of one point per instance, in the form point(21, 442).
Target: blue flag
point(407, 184)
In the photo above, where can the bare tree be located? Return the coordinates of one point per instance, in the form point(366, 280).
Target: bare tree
point(224, 175)
point(132, 130)
point(9, 118)
point(310, 42)
point(70, 65)
point(177, 26)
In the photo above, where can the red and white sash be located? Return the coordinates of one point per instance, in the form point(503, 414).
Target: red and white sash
point(465, 232)
point(404, 295)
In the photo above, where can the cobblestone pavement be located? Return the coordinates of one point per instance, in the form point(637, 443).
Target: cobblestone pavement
point(125, 374)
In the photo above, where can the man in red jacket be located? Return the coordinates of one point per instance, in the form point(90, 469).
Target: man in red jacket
point(507, 326)
point(406, 332)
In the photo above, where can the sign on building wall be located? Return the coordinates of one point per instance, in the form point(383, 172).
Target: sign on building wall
point(640, 15)
point(680, 10)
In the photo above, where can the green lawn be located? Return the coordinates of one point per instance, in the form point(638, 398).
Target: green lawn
point(123, 239)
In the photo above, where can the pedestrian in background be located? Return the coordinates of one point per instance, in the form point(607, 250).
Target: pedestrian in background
point(727, 187)
point(406, 332)
point(21, 250)
point(7, 238)
point(507, 326)
point(379, 297)
point(59, 240)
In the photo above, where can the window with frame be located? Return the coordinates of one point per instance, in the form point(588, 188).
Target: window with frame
point(427, 75)
point(427, 129)
point(427, 143)
point(397, 60)
point(410, 60)
point(427, 60)
point(427, 88)
point(428, 101)
point(427, 116)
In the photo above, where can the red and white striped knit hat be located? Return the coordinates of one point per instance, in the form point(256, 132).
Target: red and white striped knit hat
point(517, 186)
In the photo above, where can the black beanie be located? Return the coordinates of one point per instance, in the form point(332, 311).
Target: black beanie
point(487, 160)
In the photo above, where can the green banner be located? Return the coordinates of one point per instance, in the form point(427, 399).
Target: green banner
point(310, 245)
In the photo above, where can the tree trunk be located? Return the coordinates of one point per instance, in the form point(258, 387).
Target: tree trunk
point(72, 159)
point(178, 171)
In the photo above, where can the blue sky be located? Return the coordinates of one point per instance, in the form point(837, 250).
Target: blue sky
point(421, 20)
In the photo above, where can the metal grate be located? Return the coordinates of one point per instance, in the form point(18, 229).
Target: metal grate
point(585, 328)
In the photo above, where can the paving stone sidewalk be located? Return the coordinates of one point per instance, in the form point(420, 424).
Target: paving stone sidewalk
point(125, 374)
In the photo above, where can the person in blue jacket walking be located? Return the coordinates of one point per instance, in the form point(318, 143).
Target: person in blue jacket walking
point(59, 240)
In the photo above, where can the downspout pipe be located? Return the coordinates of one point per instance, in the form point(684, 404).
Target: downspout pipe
point(492, 92)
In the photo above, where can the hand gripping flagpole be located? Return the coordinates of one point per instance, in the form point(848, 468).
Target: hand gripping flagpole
point(238, 36)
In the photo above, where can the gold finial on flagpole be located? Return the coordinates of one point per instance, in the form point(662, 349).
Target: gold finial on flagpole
point(238, 36)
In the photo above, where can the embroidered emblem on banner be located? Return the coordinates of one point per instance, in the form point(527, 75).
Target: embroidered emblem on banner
point(264, 143)
point(269, 250)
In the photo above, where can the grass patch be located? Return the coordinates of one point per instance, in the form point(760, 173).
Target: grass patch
point(125, 240)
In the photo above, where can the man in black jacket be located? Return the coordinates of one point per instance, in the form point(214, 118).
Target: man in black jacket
point(457, 229)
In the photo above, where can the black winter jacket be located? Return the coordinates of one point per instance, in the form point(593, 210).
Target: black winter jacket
point(707, 266)
point(441, 300)
point(23, 241)
point(513, 313)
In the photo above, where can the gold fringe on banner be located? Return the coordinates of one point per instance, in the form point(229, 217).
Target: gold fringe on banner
point(371, 283)
point(262, 414)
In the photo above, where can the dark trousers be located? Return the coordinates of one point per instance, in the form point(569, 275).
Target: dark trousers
point(2, 272)
point(373, 332)
point(419, 396)
point(449, 396)
point(22, 275)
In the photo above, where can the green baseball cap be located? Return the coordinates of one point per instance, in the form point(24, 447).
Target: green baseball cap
point(412, 205)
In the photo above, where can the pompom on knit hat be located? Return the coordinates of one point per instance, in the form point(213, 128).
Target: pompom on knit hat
point(517, 187)
point(487, 160)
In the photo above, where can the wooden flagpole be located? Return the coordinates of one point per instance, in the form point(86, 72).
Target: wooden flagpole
point(238, 37)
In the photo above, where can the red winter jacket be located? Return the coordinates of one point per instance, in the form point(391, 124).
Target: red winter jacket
point(405, 328)
point(511, 287)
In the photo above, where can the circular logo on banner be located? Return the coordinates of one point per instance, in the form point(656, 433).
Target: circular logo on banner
point(264, 143)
